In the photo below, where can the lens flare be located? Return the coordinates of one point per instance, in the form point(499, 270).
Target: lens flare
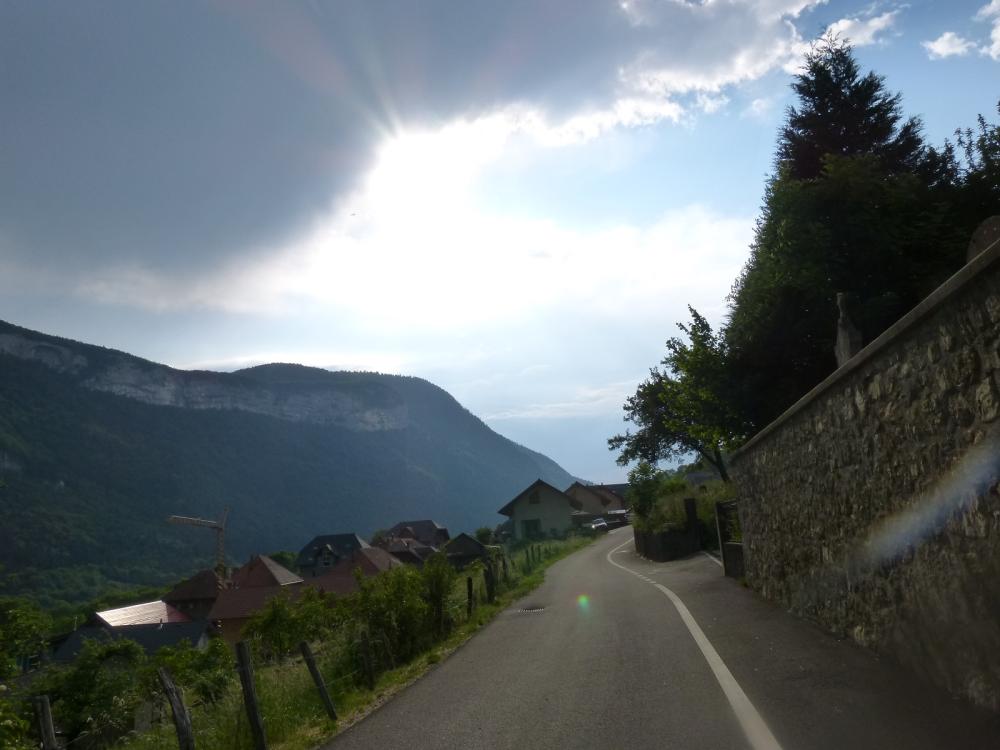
point(583, 602)
point(970, 479)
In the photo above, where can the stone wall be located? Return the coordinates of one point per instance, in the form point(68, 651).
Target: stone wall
point(872, 506)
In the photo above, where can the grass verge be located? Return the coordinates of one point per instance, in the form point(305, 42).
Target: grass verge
point(294, 717)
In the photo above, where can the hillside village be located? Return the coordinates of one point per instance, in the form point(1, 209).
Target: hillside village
point(222, 601)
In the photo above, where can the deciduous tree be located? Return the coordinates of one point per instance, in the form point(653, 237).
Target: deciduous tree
point(685, 407)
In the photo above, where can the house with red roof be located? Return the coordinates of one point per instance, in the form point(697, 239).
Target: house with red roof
point(251, 588)
point(341, 580)
point(195, 596)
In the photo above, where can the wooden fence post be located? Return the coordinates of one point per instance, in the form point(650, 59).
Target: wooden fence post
point(310, 660)
point(491, 581)
point(245, 666)
point(45, 729)
point(366, 656)
point(182, 720)
point(468, 596)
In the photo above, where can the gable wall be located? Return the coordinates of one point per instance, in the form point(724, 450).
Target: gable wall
point(552, 510)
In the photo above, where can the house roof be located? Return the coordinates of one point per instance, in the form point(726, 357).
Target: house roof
point(620, 489)
point(427, 531)
point(408, 556)
point(340, 578)
point(594, 498)
point(234, 604)
point(341, 544)
point(509, 507)
point(465, 545)
point(202, 585)
point(396, 544)
point(139, 614)
point(263, 571)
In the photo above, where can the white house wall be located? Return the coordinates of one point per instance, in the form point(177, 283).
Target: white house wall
point(552, 510)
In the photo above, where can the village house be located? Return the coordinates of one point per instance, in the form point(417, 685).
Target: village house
point(152, 625)
point(540, 510)
point(341, 580)
point(326, 551)
point(195, 596)
point(464, 550)
point(427, 532)
point(594, 499)
point(405, 549)
point(251, 588)
point(151, 637)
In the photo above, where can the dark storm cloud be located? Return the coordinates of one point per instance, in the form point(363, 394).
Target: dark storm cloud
point(171, 135)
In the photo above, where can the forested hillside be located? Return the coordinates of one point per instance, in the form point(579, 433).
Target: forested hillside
point(90, 476)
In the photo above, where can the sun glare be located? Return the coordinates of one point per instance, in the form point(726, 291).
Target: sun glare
point(417, 172)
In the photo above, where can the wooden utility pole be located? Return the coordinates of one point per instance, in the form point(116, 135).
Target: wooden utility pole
point(43, 711)
point(310, 661)
point(366, 657)
point(182, 720)
point(245, 666)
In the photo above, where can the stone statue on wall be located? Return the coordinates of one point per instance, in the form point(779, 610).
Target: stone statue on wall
point(986, 234)
point(848, 335)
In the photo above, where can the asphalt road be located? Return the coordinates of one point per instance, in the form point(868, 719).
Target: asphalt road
point(627, 667)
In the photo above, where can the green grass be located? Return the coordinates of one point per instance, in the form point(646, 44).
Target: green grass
point(294, 717)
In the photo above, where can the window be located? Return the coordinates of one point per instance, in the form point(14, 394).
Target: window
point(531, 529)
point(533, 498)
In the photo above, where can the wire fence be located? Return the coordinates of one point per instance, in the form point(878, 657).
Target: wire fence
point(348, 660)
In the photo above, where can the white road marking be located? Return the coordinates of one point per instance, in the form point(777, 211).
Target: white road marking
point(713, 558)
point(753, 724)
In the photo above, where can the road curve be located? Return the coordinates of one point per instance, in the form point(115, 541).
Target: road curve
point(628, 653)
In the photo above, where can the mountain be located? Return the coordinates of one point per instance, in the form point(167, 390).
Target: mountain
point(97, 447)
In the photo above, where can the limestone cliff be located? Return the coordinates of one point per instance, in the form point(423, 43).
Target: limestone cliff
point(334, 401)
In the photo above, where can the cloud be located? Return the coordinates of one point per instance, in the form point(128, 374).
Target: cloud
point(949, 44)
point(410, 251)
point(710, 104)
point(861, 31)
point(991, 13)
point(236, 126)
point(585, 402)
point(759, 107)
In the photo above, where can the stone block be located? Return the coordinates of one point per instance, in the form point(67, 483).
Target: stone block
point(987, 404)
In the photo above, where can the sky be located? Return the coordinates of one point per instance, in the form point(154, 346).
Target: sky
point(516, 201)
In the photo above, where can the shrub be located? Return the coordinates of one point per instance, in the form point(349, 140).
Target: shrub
point(392, 609)
point(204, 673)
point(14, 727)
point(95, 699)
point(438, 580)
point(22, 633)
point(484, 535)
point(283, 623)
